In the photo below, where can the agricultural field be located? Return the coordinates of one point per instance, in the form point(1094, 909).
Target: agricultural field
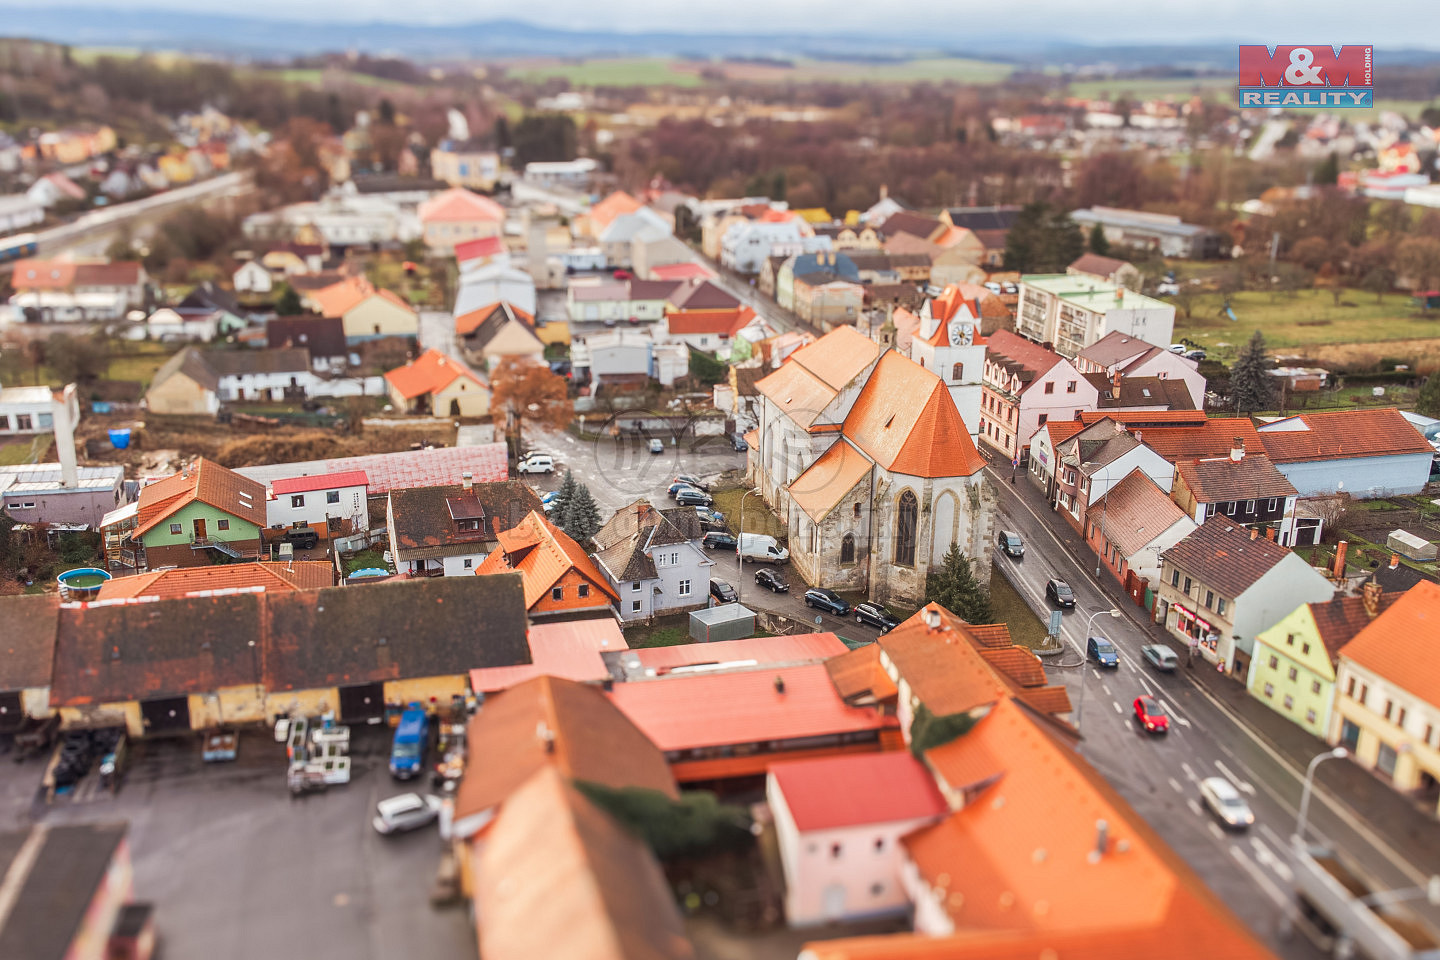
point(1157, 88)
point(637, 72)
point(1306, 319)
point(938, 69)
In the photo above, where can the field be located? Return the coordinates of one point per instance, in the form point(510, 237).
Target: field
point(318, 77)
point(957, 69)
point(658, 71)
point(24, 450)
point(1157, 88)
point(1307, 319)
point(1011, 609)
point(637, 72)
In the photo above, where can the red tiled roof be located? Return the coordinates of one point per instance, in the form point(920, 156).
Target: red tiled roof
point(1143, 419)
point(470, 322)
point(1004, 346)
point(1213, 438)
point(857, 790)
point(321, 481)
point(906, 421)
point(1096, 265)
point(833, 474)
point(478, 248)
point(1342, 434)
point(859, 677)
point(1062, 430)
point(607, 210)
point(1399, 644)
point(428, 373)
point(459, 204)
point(682, 271)
point(117, 273)
point(1220, 479)
point(1135, 511)
point(568, 649)
point(207, 482)
point(185, 581)
point(726, 323)
point(542, 553)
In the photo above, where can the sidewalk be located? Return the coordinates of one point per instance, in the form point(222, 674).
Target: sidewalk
point(1408, 829)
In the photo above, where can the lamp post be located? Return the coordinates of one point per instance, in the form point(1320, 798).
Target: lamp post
point(739, 563)
point(1084, 659)
point(1339, 753)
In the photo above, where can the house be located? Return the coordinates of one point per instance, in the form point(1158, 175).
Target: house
point(838, 824)
point(946, 338)
point(17, 211)
point(565, 649)
point(628, 358)
point(1026, 386)
point(1243, 486)
point(248, 374)
point(496, 282)
point(169, 325)
point(429, 467)
point(566, 173)
point(1293, 670)
point(1043, 452)
point(747, 243)
point(289, 259)
point(1118, 352)
point(654, 561)
point(481, 251)
point(499, 331)
point(1365, 453)
point(448, 531)
point(664, 258)
point(322, 337)
point(864, 455)
point(1223, 584)
point(61, 494)
point(616, 204)
point(915, 224)
point(825, 301)
point(315, 500)
point(1073, 312)
point(1093, 266)
point(52, 188)
point(1387, 699)
point(1131, 525)
point(185, 385)
point(25, 669)
point(251, 277)
point(1163, 233)
point(598, 301)
point(434, 383)
point(195, 662)
point(207, 299)
point(367, 312)
point(640, 227)
point(560, 580)
point(1120, 393)
point(30, 410)
point(707, 330)
point(990, 226)
point(263, 575)
point(882, 267)
point(1092, 461)
point(183, 517)
point(827, 263)
point(457, 215)
point(467, 163)
point(957, 263)
point(123, 281)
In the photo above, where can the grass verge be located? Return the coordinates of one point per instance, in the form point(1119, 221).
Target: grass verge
point(758, 518)
point(1010, 608)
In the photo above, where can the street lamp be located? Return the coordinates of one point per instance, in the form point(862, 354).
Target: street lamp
point(1339, 753)
point(739, 563)
point(1113, 611)
point(1080, 705)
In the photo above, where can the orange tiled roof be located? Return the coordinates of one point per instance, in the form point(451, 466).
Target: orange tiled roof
point(906, 421)
point(834, 474)
point(569, 649)
point(542, 554)
point(1062, 430)
point(1399, 643)
point(615, 205)
point(207, 482)
point(1213, 438)
point(459, 204)
point(798, 393)
point(858, 676)
point(1342, 434)
point(428, 373)
point(1135, 511)
point(469, 322)
point(725, 323)
point(340, 298)
point(838, 357)
point(32, 274)
point(261, 575)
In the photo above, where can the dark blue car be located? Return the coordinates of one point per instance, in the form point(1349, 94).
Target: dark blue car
point(822, 599)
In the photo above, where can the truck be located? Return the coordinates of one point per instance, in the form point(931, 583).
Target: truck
point(761, 547)
point(1349, 917)
point(407, 752)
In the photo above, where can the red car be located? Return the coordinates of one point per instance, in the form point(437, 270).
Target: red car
point(1151, 715)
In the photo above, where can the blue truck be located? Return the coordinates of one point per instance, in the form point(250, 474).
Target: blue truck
point(407, 753)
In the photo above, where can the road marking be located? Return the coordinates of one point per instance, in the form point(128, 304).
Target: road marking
point(1107, 689)
point(1267, 858)
point(1194, 806)
point(1266, 885)
point(1188, 772)
point(1116, 705)
point(1244, 786)
point(1273, 837)
point(568, 439)
point(1176, 713)
point(1175, 785)
point(1097, 675)
point(1215, 830)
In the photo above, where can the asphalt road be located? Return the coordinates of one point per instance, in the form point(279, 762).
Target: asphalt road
point(1158, 775)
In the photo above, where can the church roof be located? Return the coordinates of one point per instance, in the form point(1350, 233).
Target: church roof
point(828, 479)
point(812, 377)
point(906, 421)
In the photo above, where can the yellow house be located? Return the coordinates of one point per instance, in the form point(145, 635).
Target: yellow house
point(184, 386)
point(437, 384)
point(176, 168)
point(462, 166)
point(367, 312)
point(500, 330)
point(458, 215)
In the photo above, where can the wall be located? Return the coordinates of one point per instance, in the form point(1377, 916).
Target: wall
point(309, 703)
point(1286, 586)
point(424, 689)
point(106, 714)
point(692, 564)
point(58, 506)
point(442, 236)
point(181, 396)
point(464, 565)
point(1275, 643)
point(570, 582)
point(244, 704)
point(513, 340)
point(1363, 477)
point(264, 386)
point(376, 316)
point(1415, 753)
point(316, 508)
point(241, 531)
point(473, 398)
point(641, 590)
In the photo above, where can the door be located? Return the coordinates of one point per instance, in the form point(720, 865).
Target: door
point(12, 713)
point(160, 716)
point(199, 528)
point(362, 702)
point(834, 902)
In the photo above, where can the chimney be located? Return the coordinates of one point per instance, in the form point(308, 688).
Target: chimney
point(1119, 296)
point(1254, 533)
point(1115, 383)
point(1102, 837)
point(1370, 596)
point(1340, 549)
point(1270, 534)
point(779, 684)
point(467, 481)
point(1139, 436)
point(65, 437)
point(931, 618)
point(1237, 449)
point(1394, 560)
point(884, 192)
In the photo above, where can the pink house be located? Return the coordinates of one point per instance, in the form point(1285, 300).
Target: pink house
point(1026, 386)
point(839, 821)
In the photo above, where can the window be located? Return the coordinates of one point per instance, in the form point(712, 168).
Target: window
point(1309, 716)
point(22, 421)
point(674, 559)
point(635, 606)
point(1187, 586)
point(857, 511)
point(684, 589)
point(469, 563)
point(847, 548)
point(879, 844)
point(1364, 692)
point(1389, 708)
point(635, 587)
point(957, 372)
point(1314, 686)
point(1294, 673)
point(835, 851)
point(905, 522)
point(1304, 648)
point(1220, 606)
point(1400, 718)
point(1270, 506)
point(1249, 506)
point(1044, 418)
point(582, 591)
point(1289, 702)
point(1269, 689)
point(222, 524)
point(1070, 387)
point(1429, 732)
point(298, 500)
point(1274, 663)
point(1350, 688)
point(1289, 639)
point(1049, 388)
point(876, 889)
point(1385, 762)
point(332, 496)
point(557, 593)
point(1174, 578)
point(176, 528)
point(1209, 598)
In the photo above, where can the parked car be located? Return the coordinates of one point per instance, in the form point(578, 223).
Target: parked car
point(1059, 593)
point(722, 592)
point(1010, 544)
point(718, 541)
point(1226, 803)
point(693, 498)
point(412, 735)
point(540, 463)
point(876, 615)
point(1151, 715)
point(675, 488)
point(738, 444)
point(768, 578)
point(822, 599)
point(1102, 651)
point(657, 445)
point(761, 547)
point(549, 497)
point(1196, 355)
point(1160, 657)
point(408, 811)
point(690, 481)
point(1179, 348)
point(1009, 287)
point(302, 537)
point(710, 515)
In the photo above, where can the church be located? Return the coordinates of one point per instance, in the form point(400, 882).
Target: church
point(865, 454)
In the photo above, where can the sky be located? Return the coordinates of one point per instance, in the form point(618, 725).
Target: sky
point(1395, 23)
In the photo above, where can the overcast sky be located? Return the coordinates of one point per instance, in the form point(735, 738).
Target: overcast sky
point(1394, 23)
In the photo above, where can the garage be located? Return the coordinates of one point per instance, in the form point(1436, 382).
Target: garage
point(161, 716)
point(362, 702)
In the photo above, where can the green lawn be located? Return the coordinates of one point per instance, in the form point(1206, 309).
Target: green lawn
point(628, 72)
point(1308, 317)
point(25, 450)
point(1011, 609)
point(958, 69)
point(758, 518)
point(664, 632)
point(138, 362)
point(1157, 88)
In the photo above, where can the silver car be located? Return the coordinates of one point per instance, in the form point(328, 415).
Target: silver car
point(408, 811)
point(1226, 803)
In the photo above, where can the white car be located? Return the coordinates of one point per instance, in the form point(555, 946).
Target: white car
point(1226, 803)
point(538, 463)
point(408, 811)
point(657, 445)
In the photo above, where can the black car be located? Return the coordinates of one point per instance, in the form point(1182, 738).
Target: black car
point(691, 497)
point(718, 541)
point(722, 592)
point(691, 481)
point(1011, 544)
point(1059, 593)
point(772, 581)
point(302, 537)
point(876, 615)
point(829, 600)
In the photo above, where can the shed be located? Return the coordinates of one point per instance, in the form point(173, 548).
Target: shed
point(1406, 544)
point(729, 621)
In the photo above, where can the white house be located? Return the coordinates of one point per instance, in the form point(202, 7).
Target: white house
point(1118, 352)
point(18, 211)
point(492, 283)
point(262, 374)
point(314, 500)
point(1074, 312)
point(252, 278)
point(1365, 453)
point(747, 244)
point(32, 409)
point(949, 343)
point(654, 560)
point(171, 326)
point(838, 823)
point(1135, 522)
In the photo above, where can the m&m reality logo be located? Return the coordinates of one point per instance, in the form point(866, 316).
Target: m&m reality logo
point(1312, 76)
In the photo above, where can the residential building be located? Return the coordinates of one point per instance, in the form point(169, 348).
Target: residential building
point(61, 495)
point(465, 164)
point(26, 668)
point(1045, 470)
point(496, 282)
point(428, 467)
point(565, 173)
point(698, 293)
point(1118, 393)
point(1093, 266)
point(30, 410)
point(1131, 525)
point(1074, 312)
point(169, 325)
point(1365, 453)
point(282, 374)
point(833, 265)
point(52, 188)
point(261, 575)
point(480, 252)
point(990, 226)
point(457, 215)
point(838, 824)
point(915, 224)
point(707, 330)
point(185, 385)
point(946, 338)
point(654, 561)
point(315, 500)
point(564, 649)
point(1293, 670)
point(561, 581)
point(639, 227)
point(958, 263)
point(499, 331)
point(628, 358)
point(1223, 584)
point(1163, 233)
point(747, 243)
point(865, 456)
point(1092, 461)
point(367, 312)
point(290, 259)
point(1243, 486)
point(1121, 353)
point(1026, 386)
point(615, 204)
point(251, 277)
point(825, 301)
point(322, 337)
point(434, 383)
point(1387, 698)
point(449, 530)
point(122, 281)
point(18, 211)
point(183, 517)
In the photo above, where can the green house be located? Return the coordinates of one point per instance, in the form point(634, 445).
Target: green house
point(1293, 669)
point(199, 516)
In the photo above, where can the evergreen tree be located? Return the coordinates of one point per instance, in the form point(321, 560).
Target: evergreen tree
point(287, 304)
point(955, 588)
point(582, 515)
point(1042, 240)
point(1099, 243)
point(1428, 403)
point(1250, 380)
point(1328, 172)
point(563, 497)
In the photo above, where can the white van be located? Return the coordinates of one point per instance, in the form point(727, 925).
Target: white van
point(536, 463)
point(760, 547)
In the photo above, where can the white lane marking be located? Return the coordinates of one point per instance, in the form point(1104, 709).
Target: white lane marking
point(1194, 806)
point(1096, 672)
point(1116, 705)
point(1175, 785)
point(1244, 786)
point(1266, 885)
point(568, 439)
point(1189, 772)
point(1215, 830)
point(1107, 689)
point(1273, 837)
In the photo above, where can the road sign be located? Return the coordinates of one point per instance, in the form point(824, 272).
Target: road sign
point(1055, 623)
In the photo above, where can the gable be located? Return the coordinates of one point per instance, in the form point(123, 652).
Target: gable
point(1301, 623)
point(514, 337)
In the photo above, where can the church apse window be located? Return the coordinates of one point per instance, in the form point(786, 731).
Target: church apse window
point(847, 548)
point(905, 523)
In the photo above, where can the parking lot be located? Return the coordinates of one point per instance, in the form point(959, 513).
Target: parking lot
point(238, 869)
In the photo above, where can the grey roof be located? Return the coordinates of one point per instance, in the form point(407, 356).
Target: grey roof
point(189, 363)
point(322, 336)
point(232, 363)
point(984, 218)
point(1221, 554)
point(393, 183)
point(1135, 220)
point(34, 477)
point(627, 537)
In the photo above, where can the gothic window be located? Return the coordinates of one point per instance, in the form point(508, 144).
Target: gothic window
point(905, 523)
point(847, 548)
point(957, 372)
